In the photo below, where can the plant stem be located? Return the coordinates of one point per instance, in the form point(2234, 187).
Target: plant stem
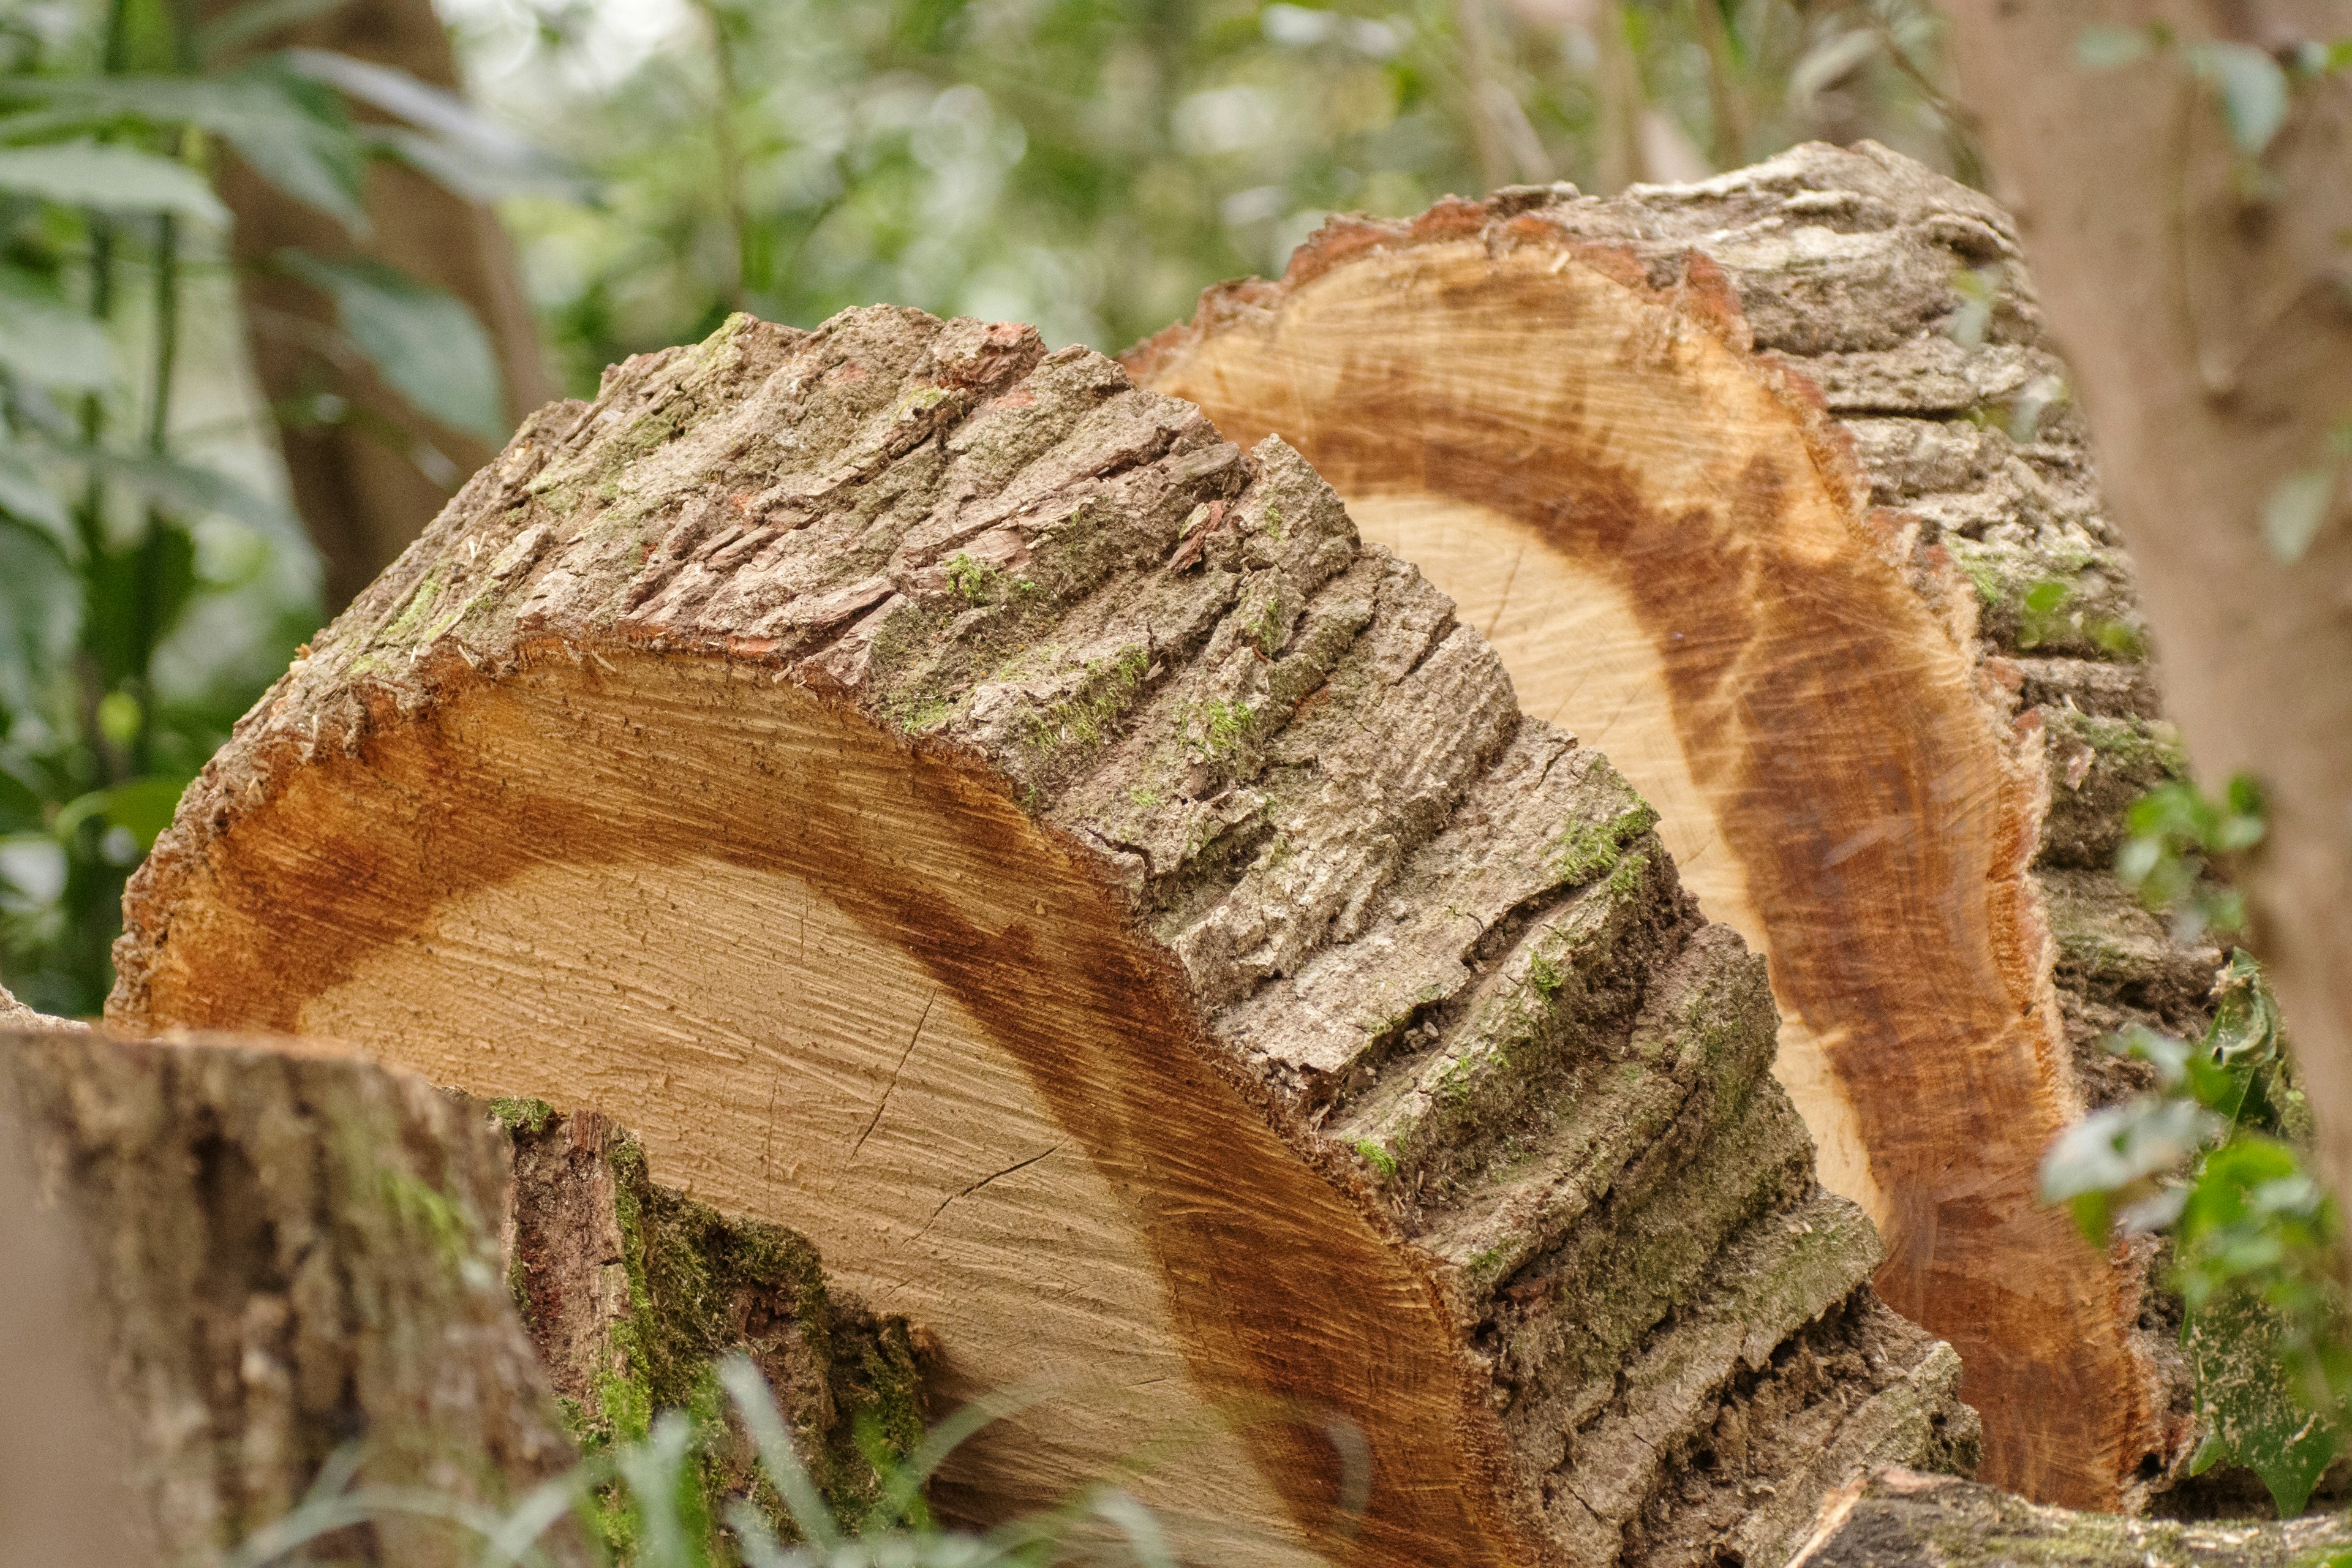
point(148, 577)
point(730, 154)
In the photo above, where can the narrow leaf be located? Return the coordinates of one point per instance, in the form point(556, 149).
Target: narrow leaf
point(112, 179)
point(460, 148)
point(291, 130)
point(257, 19)
point(456, 167)
point(187, 488)
point(2298, 504)
point(425, 344)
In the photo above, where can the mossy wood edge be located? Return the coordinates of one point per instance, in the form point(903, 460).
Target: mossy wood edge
point(948, 801)
point(632, 1293)
point(1709, 465)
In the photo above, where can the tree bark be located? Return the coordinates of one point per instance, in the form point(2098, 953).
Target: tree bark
point(1900, 1519)
point(362, 497)
point(270, 1256)
point(2211, 346)
point(1707, 464)
point(947, 800)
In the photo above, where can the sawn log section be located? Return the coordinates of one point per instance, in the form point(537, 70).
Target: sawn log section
point(1624, 436)
point(947, 800)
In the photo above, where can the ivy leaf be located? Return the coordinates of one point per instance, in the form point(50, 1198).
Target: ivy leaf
point(45, 340)
point(2253, 91)
point(112, 179)
point(2298, 505)
point(2246, 1402)
point(425, 344)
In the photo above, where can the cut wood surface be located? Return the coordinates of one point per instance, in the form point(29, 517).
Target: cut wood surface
point(1901, 1519)
point(1707, 467)
point(947, 801)
point(273, 1256)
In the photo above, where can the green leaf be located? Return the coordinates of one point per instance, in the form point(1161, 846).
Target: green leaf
point(257, 19)
point(453, 166)
point(2298, 505)
point(112, 179)
point(2119, 1145)
point(143, 806)
point(2247, 1404)
point(45, 340)
point(291, 130)
point(2253, 91)
point(449, 142)
point(426, 343)
point(25, 496)
point(185, 487)
point(2108, 46)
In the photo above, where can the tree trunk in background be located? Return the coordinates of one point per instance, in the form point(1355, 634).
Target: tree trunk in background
point(1707, 467)
point(277, 1254)
point(2210, 341)
point(949, 802)
point(362, 497)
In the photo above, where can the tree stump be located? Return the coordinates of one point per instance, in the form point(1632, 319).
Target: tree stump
point(1709, 467)
point(271, 1255)
point(947, 800)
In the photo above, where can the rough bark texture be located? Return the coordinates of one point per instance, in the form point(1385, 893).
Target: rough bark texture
point(1900, 1519)
point(281, 1255)
point(946, 799)
point(361, 496)
point(61, 1494)
point(632, 1293)
point(1709, 465)
point(2213, 362)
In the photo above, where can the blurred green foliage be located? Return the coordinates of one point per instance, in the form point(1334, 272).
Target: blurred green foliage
point(1090, 165)
point(152, 582)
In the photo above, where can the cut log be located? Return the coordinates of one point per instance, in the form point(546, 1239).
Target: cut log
point(275, 1255)
point(1708, 466)
point(947, 801)
point(1900, 1519)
